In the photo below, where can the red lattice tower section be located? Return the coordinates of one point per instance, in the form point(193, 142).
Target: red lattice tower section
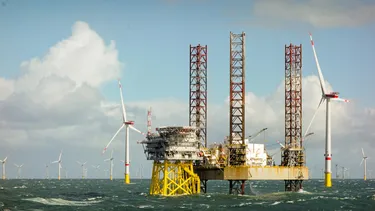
point(198, 91)
point(293, 96)
point(237, 88)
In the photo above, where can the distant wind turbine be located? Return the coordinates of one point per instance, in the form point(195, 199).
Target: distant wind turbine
point(105, 172)
point(328, 97)
point(18, 170)
point(110, 165)
point(96, 168)
point(364, 158)
point(127, 124)
point(3, 164)
point(83, 168)
point(47, 172)
point(59, 166)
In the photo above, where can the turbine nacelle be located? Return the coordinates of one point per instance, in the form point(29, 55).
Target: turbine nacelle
point(129, 122)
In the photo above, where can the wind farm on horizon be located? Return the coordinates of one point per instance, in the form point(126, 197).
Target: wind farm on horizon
point(128, 125)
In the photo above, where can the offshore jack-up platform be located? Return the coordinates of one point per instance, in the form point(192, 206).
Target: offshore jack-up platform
point(181, 166)
point(183, 163)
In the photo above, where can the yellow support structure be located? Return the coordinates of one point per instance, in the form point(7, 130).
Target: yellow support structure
point(174, 178)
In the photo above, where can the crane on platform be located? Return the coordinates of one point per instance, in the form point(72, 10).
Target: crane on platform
point(253, 136)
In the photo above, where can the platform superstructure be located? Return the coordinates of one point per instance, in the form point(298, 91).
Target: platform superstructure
point(173, 150)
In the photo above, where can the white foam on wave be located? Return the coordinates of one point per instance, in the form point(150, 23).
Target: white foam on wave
point(145, 206)
point(276, 203)
point(20, 187)
point(303, 191)
point(61, 202)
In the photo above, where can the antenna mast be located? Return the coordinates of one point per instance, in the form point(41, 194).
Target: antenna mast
point(149, 122)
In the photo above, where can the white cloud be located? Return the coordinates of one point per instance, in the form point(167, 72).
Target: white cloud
point(6, 88)
point(56, 104)
point(319, 13)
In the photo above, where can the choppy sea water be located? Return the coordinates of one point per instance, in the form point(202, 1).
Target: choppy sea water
point(96, 194)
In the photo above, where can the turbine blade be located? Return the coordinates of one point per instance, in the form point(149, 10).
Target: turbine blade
point(21, 165)
point(106, 160)
point(55, 161)
point(79, 163)
point(363, 153)
point(312, 119)
point(17, 165)
point(136, 130)
point(5, 159)
point(340, 100)
point(60, 155)
point(114, 136)
point(361, 161)
point(321, 79)
point(122, 101)
point(84, 163)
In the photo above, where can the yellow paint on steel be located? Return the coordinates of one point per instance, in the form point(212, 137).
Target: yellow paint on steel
point(328, 180)
point(174, 178)
point(265, 173)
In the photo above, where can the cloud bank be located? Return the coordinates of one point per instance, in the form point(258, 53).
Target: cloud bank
point(56, 103)
point(318, 13)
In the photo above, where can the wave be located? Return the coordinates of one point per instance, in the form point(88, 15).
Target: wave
point(62, 202)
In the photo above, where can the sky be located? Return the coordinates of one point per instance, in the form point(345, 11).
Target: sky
point(60, 62)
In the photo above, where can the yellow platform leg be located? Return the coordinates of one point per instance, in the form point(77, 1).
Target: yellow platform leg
point(174, 178)
point(328, 181)
point(127, 179)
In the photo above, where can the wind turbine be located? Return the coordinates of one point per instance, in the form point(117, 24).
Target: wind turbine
point(96, 168)
point(83, 167)
point(59, 162)
point(85, 172)
point(328, 97)
point(18, 170)
point(47, 172)
point(364, 158)
point(110, 165)
point(105, 172)
point(3, 164)
point(127, 124)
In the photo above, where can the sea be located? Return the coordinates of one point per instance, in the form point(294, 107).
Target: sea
point(100, 194)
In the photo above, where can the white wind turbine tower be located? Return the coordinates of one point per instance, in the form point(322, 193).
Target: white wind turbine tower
point(18, 170)
point(364, 158)
point(83, 168)
point(59, 162)
point(127, 124)
point(110, 165)
point(328, 97)
point(3, 164)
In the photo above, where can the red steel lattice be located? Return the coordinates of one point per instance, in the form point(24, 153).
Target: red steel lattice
point(293, 96)
point(237, 88)
point(198, 91)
